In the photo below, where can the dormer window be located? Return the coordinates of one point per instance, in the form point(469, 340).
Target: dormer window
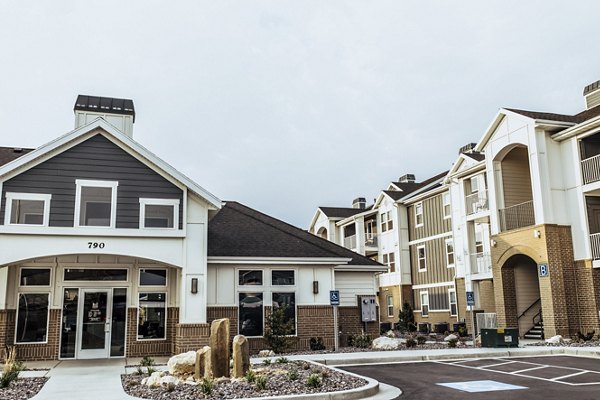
point(27, 209)
point(95, 203)
point(159, 213)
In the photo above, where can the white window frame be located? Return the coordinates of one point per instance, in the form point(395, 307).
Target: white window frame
point(36, 286)
point(419, 206)
point(424, 259)
point(389, 306)
point(451, 242)
point(80, 183)
point(450, 302)
point(386, 221)
point(141, 289)
point(474, 187)
point(446, 203)
point(10, 196)
point(426, 293)
point(159, 202)
point(139, 282)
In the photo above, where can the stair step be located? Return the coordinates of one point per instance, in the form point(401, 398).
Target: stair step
point(528, 336)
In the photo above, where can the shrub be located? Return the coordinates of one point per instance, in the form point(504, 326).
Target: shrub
point(12, 368)
point(293, 374)
point(421, 339)
point(260, 382)
point(206, 386)
point(150, 370)
point(278, 328)
point(282, 360)
point(452, 343)
point(462, 330)
point(316, 343)
point(266, 361)
point(406, 320)
point(147, 361)
point(250, 376)
point(361, 341)
point(411, 342)
point(313, 381)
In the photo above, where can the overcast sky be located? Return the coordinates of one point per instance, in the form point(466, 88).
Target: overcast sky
point(289, 105)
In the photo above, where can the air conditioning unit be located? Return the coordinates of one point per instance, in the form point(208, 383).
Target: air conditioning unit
point(486, 321)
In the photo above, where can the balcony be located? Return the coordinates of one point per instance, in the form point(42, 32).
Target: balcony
point(590, 168)
point(371, 239)
point(388, 279)
point(477, 202)
point(350, 242)
point(595, 245)
point(517, 216)
point(481, 263)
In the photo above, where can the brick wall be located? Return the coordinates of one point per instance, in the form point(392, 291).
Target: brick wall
point(35, 351)
point(349, 321)
point(152, 347)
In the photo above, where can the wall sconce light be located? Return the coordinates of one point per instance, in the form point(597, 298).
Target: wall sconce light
point(537, 233)
point(493, 243)
point(315, 287)
point(194, 285)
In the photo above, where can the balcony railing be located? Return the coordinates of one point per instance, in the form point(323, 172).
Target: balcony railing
point(477, 202)
point(370, 239)
point(517, 216)
point(481, 263)
point(590, 167)
point(595, 245)
point(350, 242)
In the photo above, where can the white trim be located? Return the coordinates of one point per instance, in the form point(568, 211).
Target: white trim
point(361, 268)
point(422, 214)
point(444, 204)
point(433, 285)
point(278, 260)
point(421, 293)
point(419, 269)
point(387, 305)
point(81, 183)
point(451, 241)
point(453, 290)
point(87, 231)
point(139, 281)
point(47, 317)
point(137, 326)
point(159, 202)
point(10, 196)
point(428, 238)
point(50, 278)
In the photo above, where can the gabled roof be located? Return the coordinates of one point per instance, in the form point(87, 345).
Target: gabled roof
point(429, 184)
point(8, 154)
point(575, 119)
point(342, 212)
point(240, 231)
point(67, 140)
point(475, 156)
point(409, 188)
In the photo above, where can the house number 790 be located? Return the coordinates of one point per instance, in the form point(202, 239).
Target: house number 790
point(95, 245)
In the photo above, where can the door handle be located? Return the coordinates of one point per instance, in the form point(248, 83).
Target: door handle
point(107, 327)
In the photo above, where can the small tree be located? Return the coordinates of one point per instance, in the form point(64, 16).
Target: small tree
point(279, 327)
point(406, 319)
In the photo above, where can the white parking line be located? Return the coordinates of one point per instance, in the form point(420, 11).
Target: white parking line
point(570, 375)
point(496, 365)
point(529, 369)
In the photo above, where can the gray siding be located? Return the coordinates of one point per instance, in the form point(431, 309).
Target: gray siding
point(99, 159)
point(433, 219)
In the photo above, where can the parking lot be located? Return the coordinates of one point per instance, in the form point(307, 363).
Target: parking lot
point(548, 377)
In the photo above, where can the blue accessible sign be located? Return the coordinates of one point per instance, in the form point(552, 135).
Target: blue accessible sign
point(470, 298)
point(334, 297)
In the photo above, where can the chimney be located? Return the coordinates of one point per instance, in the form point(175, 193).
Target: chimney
point(592, 95)
point(467, 148)
point(117, 112)
point(359, 202)
point(407, 178)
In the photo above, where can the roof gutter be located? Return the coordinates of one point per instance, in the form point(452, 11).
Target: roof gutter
point(593, 123)
point(279, 260)
point(365, 268)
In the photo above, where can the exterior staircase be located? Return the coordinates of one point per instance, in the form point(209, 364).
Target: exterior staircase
point(537, 332)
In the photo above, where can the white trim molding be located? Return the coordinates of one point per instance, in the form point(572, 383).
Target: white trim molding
point(81, 183)
point(432, 285)
point(10, 196)
point(159, 202)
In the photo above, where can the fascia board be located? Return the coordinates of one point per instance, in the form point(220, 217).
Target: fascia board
point(355, 217)
point(278, 260)
point(361, 268)
point(577, 129)
point(500, 115)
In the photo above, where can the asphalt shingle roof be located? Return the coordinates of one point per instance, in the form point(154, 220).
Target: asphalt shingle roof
point(410, 187)
point(240, 231)
point(576, 119)
point(342, 212)
point(7, 154)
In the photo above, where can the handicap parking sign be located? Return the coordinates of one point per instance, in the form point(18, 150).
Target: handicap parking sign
point(334, 297)
point(543, 270)
point(470, 298)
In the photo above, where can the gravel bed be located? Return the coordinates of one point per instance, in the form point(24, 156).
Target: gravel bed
point(426, 346)
point(22, 388)
point(278, 384)
point(590, 343)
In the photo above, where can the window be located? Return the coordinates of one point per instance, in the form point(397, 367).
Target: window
point(251, 314)
point(95, 203)
point(478, 238)
point(421, 258)
point(387, 224)
point(424, 304)
point(474, 181)
point(152, 313)
point(419, 214)
point(32, 318)
point(95, 274)
point(159, 213)
point(452, 299)
point(153, 277)
point(27, 209)
point(288, 302)
point(35, 277)
point(247, 277)
point(449, 253)
point(389, 260)
point(285, 277)
point(390, 305)
point(446, 205)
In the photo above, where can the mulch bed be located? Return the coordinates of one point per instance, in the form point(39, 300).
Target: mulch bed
point(279, 383)
point(22, 388)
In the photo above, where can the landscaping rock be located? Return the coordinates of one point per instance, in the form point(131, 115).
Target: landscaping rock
point(241, 356)
point(477, 341)
point(450, 337)
point(266, 353)
point(219, 345)
point(203, 364)
point(182, 364)
point(555, 339)
point(168, 381)
point(153, 380)
point(385, 343)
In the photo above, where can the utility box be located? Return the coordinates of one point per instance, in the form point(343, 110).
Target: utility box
point(499, 337)
point(368, 308)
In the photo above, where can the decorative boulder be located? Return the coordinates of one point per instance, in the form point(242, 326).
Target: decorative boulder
point(477, 341)
point(266, 353)
point(219, 346)
point(153, 380)
point(385, 343)
point(450, 337)
point(241, 356)
point(168, 382)
point(182, 365)
point(555, 339)
point(203, 362)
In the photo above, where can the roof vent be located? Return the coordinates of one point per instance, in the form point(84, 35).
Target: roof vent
point(592, 95)
point(17, 150)
point(118, 112)
point(467, 148)
point(360, 203)
point(406, 178)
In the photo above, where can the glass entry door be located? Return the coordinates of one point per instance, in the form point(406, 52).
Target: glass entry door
point(94, 323)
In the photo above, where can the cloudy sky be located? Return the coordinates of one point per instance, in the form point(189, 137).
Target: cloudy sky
point(288, 105)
